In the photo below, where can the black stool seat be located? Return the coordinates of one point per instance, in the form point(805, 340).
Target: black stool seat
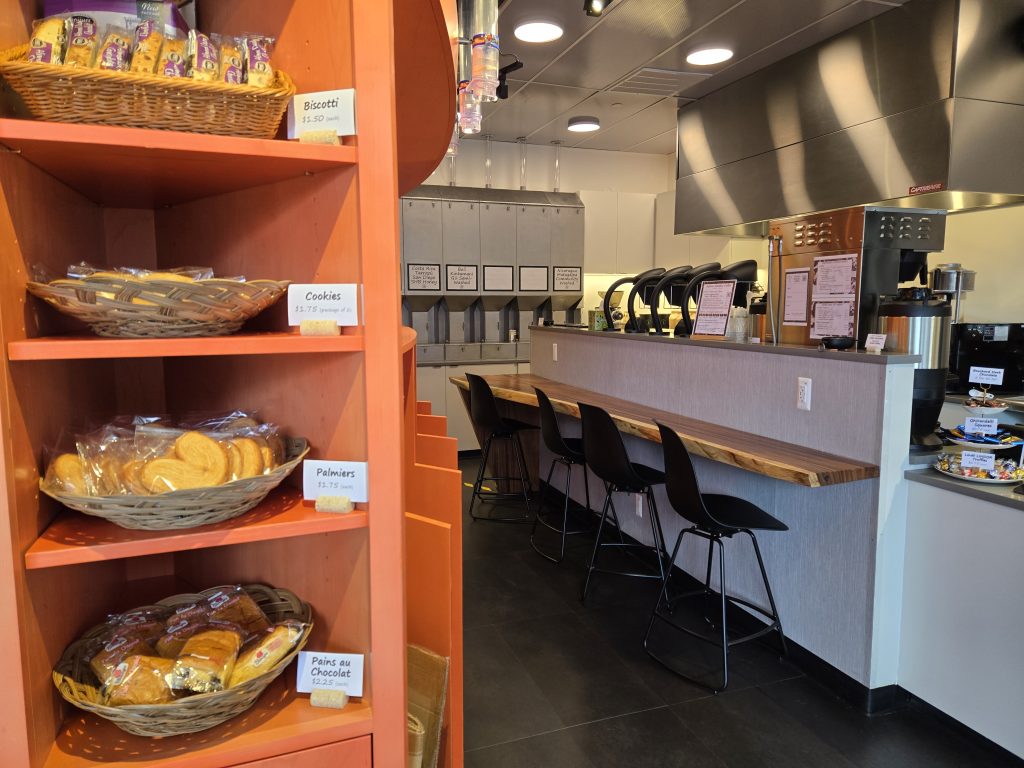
point(508, 427)
point(713, 516)
point(733, 514)
point(647, 476)
point(567, 451)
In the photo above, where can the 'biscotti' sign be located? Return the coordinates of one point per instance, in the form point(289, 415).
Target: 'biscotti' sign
point(334, 478)
point(323, 301)
point(322, 111)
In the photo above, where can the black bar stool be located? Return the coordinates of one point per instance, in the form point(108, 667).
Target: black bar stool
point(607, 458)
point(714, 517)
point(483, 410)
point(568, 452)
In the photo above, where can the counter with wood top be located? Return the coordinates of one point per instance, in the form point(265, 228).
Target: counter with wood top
point(763, 455)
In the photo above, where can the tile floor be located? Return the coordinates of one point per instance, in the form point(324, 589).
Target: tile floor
point(551, 682)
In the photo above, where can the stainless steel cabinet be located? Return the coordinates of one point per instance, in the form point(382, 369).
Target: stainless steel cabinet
point(422, 241)
point(498, 233)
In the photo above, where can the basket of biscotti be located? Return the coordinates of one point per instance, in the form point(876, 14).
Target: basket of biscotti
point(188, 663)
point(76, 69)
point(145, 304)
point(157, 473)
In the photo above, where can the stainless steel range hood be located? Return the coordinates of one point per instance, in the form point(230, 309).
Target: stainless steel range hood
point(922, 107)
point(489, 195)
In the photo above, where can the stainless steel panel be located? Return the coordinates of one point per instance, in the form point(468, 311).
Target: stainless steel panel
point(498, 234)
point(924, 336)
point(486, 195)
point(502, 351)
point(421, 235)
point(989, 56)
point(523, 349)
point(533, 237)
point(987, 149)
point(461, 232)
point(567, 236)
point(430, 353)
point(461, 352)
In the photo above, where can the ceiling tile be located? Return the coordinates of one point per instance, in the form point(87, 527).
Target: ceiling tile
point(609, 108)
point(663, 144)
point(531, 108)
point(535, 56)
point(646, 124)
point(667, 82)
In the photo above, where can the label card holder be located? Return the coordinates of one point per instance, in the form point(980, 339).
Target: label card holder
point(322, 112)
point(976, 425)
point(978, 460)
point(875, 342)
point(337, 302)
point(985, 376)
point(713, 307)
point(334, 478)
point(330, 671)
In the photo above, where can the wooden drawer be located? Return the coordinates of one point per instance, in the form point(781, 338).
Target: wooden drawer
point(354, 753)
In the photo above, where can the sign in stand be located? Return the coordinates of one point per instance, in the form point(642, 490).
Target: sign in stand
point(330, 671)
point(323, 112)
point(336, 303)
point(986, 376)
point(334, 478)
point(875, 342)
point(713, 307)
point(977, 460)
point(974, 425)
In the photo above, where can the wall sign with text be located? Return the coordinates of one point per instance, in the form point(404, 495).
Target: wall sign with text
point(533, 278)
point(567, 278)
point(323, 301)
point(423, 277)
point(461, 277)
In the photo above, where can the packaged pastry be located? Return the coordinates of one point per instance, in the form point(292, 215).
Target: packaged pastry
point(49, 37)
point(141, 623)
point(232, 67)
point(234, 605)
point(258, 72)
point(173, 57)
point(264, 652)
point(206, 662)
point(203, 57)
point(140, 680)
point(117, 649)
point(67, 474)
point(115, 52)
point(83, 40)
point(149, 39)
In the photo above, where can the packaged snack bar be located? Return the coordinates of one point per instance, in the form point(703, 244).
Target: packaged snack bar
point(265, 651)
point(232, 66)
point(258, 72)
point(140, 680)
point(206, 662)
point(203, 57)
point(115, 52)
point(83, 40)
point(149, 39)
point(49, 37)
point(173, 57)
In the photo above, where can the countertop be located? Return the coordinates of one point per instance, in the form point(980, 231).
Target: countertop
point(853, 356)
point(996, 494)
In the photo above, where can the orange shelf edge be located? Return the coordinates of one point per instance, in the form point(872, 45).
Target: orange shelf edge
point(281, 722)
point(95, 347)
point(73, 538)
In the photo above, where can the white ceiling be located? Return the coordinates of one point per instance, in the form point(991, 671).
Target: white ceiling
point(628, 67)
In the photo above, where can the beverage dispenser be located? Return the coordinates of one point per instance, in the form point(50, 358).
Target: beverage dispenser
point(533, 267)
point(498, 266)
point(567, 216)
point(461, 257)
point(422, 295)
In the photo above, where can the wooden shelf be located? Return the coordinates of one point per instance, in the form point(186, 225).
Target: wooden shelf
point(94, 347)
point(74, 538)
point(280, 722)
point(139, 168)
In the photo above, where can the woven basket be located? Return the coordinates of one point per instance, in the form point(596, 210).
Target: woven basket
point(112, 306)
point(75, 95)
point(185, 509)
point(79, 686)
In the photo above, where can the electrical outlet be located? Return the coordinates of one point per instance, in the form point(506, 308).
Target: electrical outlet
point(803, 394)
point(639, 506)
point(554, 353)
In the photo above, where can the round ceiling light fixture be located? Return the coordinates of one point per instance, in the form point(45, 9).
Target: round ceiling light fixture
point(584, 124)
point(705, 57)
point(538, 31)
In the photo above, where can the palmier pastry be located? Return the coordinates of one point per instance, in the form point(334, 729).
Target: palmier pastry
point(69, 471)
point(252, 456)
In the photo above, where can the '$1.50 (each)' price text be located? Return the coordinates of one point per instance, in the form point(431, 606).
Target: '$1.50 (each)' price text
point(315, 118)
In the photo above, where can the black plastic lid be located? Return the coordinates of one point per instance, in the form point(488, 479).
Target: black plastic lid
point(930, 308)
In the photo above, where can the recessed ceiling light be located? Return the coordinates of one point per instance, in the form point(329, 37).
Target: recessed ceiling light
point(538, 31)
point(708, 56)
point(584, 124)
point(595, 7)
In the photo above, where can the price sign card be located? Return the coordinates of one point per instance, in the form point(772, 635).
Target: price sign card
point(323, 301)
point(713, 307)
point(334, 478)
point(980, 426)
point(875, 342)
point(323, 111)
point(977, 460)
point(330, 671)
point(986, 376)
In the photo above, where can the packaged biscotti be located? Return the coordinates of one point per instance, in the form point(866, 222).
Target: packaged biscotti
point(203, 57)
point(232, 59)
point(49, 38)
point(149, 39)
point(83, 42)
point(262, 653)
point(140, 680)
point(206, 662)
point(173, 60)
point(115, 51)
point(258, 71)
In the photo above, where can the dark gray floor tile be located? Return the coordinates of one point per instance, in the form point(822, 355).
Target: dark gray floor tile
point(553, 750)
point(580, 674)
point(502, 701)
point(746, 729)
point(500, 588)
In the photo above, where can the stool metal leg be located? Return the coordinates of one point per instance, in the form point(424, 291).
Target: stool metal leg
point(565, 512)
point(586, 485)
point(499, 495)
point(768, 588)
point(524, 476)
point(480, 476)
point(725, 604)
point(597, 542)
point(540, 505)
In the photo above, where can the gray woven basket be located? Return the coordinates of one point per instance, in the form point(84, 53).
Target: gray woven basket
point(78, 684)
point(113, 306)
point(186, 509)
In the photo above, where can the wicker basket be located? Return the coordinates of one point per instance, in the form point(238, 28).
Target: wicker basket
point(185, 509)
point(74, 95)
point(129, 307)
point(79, 686)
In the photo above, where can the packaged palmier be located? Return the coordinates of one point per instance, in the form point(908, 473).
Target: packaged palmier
point(258, 71)
point(203, 58)
point(49, 39)
point(140, 680)
point(206, 662)
point(266, 650)
point(83, 41)
point(115, 51)
point(148, 42)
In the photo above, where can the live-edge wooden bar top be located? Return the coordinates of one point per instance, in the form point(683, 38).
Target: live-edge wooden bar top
point(763, 455)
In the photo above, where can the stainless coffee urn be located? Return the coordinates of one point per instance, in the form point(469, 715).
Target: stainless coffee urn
point(916, 322)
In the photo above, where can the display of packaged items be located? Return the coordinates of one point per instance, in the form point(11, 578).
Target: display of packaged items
point(140, 680)
point(115, 52)
point(125, 13)
point(49, 38)
point(232, 66)
point(258, 72)
point(233, 604)
point(207, 661)
point(118, 647)
point(173, 60)
point(146, 51)
point(83, 40)
point(266, 650)
point(203, 57)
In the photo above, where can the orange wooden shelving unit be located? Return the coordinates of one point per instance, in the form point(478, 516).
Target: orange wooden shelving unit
point(273, 209)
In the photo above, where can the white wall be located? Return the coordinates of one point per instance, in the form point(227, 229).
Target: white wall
point(992, 243)
point(580, 169)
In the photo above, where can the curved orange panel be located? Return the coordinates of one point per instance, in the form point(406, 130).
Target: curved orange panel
point(424, 86)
